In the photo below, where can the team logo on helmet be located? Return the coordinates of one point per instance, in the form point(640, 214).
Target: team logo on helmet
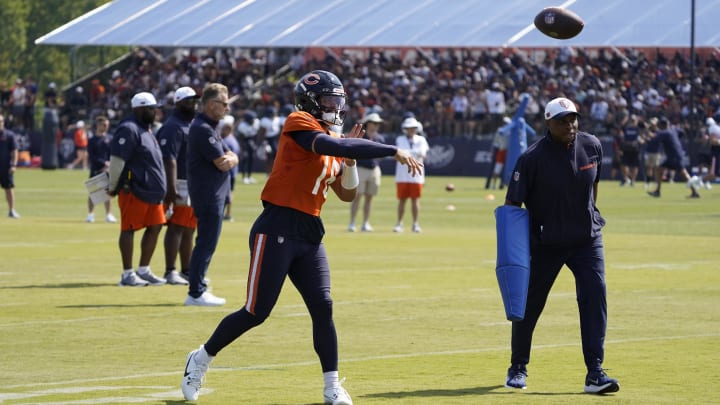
point(563, 104)
point(311, 79)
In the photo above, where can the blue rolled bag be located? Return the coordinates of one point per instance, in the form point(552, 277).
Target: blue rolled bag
point(512, 268)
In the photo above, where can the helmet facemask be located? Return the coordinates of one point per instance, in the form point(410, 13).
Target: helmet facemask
point(332, 108)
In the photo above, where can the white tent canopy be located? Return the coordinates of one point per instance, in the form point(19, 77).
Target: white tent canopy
point(386, 23)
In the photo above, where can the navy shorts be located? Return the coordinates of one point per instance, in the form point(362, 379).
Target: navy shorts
point(6, 179)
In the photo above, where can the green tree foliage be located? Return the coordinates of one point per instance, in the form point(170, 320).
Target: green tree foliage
point(24, 21)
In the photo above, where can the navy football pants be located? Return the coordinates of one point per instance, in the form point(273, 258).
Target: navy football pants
point(272, 258)
point(587, 263)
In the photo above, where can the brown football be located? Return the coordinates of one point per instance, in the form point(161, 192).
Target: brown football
point(558, 23)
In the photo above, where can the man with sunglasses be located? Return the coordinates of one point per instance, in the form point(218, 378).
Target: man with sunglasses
point(209, 162)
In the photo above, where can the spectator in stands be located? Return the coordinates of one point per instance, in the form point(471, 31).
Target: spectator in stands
point(409, 187)
point(98, 151)
point(8, 164)
point(181, 222)
point(30, 99)
point(18, 96)
point(137, 177)
point(369, 175)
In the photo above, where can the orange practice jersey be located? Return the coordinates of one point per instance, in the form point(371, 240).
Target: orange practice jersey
point(300, 179)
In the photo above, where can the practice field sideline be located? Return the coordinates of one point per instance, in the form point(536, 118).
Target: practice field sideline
point(419, 316)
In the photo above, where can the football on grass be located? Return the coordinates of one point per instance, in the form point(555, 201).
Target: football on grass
point(558, 23)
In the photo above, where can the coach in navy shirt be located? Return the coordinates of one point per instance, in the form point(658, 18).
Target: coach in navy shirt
point(209, 163)
point(557, 180)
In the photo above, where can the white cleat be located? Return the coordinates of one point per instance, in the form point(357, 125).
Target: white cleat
point(337, 395)
point(205, 300)
point(194, 375)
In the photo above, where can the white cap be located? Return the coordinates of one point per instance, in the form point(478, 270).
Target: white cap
point(184, 92)
point(227, 121)
point(80, 124)
point(559, 107)
point(372, 117)
point(410, 122)
point(143, 99)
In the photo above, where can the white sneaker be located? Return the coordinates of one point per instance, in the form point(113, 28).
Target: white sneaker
point(251, 180)
point(205, 300)
point(132, 280)
point(90, 218)
point(110, 218)
point(13, 214)
point(194, 375)
point(151, 278)
point(366, 227)
point(173, 278)
point(398, 228)
point(416, 228)
point(351, 227)
point(336, 395)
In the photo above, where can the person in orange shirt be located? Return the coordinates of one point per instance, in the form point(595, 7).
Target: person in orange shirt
point(81, 144)
point(286, 239)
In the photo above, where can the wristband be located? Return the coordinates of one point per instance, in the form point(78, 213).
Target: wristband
point(349, 178)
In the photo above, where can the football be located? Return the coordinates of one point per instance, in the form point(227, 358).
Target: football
point(558, 23)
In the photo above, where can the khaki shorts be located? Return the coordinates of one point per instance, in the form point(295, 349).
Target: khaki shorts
point(369, 180)
point(653, 159)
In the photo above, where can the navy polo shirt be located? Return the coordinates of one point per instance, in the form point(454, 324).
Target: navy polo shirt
point(556, 185)
point(144, 172)
point(8, 144)
point(206, 183)
point(172, 137)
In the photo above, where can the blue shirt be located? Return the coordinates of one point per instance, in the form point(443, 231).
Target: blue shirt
point(670, 142)
point(98, 152)
point(555, 183)
point(207, 185)
point(232, 143)
point(144, 172)
point(172, 137)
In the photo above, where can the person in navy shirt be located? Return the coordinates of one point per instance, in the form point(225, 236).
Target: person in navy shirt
point(181, 222)
point(99, 159)
point(674, 159)
point(209, 162)
point(557, 180)
point(8, 163)
point(137, 177)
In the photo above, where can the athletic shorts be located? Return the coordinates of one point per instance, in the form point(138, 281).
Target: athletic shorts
point(183, 215)
point(7, 180)
point(408, 190)
point(137, 214)
point(653, 159)
point(369, 180)
point(672, 164)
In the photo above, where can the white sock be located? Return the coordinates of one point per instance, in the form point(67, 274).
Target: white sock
point(203, 355)
point(331, 379)
point(127, 272)
point(143, 269)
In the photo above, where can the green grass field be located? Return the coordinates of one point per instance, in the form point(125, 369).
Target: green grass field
point(419, 316)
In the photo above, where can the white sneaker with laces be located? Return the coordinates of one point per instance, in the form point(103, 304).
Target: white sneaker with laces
point(194, 374)
point(151, 278)
point(90, 218)
point(337, 395)
point(398, 228)
point(110, 218)
point(207, 299)
point(132, 280)
point(366, 227)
